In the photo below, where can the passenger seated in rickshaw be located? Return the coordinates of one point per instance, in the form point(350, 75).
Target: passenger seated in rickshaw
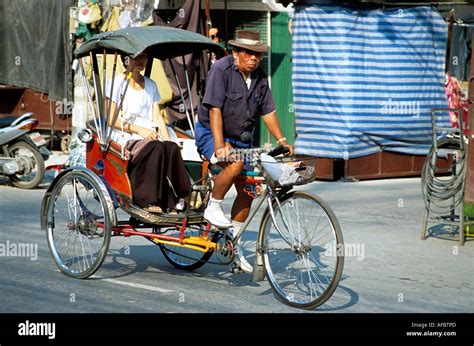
point(156, 169)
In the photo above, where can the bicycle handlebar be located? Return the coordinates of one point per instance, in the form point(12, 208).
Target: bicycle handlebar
point(243, 154)
point(278, 150)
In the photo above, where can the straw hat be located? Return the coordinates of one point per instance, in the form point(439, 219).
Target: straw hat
point(249, 39)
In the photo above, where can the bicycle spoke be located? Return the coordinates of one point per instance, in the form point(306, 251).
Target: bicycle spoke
point(310, 272)
point(84, 255)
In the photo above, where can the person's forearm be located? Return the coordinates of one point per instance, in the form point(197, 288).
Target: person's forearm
point(130, 128)
point(273, 125)
point(215, 117)
point(127, 127)
point(161, 122)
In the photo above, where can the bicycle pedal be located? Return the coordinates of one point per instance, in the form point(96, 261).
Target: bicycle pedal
point(226, 254)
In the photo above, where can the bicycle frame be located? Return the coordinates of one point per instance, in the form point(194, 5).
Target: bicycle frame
point(258, 273)
point(267, 195)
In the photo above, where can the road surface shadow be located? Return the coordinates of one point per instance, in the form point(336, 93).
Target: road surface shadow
point(445, 232)
point(133, 259)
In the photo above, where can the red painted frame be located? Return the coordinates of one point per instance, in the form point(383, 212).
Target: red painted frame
point(110, 165)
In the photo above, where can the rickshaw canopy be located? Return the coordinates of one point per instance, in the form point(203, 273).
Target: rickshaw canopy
point(159, 42)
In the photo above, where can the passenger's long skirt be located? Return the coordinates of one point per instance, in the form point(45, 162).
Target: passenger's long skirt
point(148, 172)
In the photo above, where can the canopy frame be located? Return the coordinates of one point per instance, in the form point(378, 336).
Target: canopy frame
point(158, 42)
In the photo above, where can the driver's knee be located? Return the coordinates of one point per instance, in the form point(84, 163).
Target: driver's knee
point(235, 168)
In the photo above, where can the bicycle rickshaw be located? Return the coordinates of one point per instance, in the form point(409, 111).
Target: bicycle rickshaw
point(79, 209)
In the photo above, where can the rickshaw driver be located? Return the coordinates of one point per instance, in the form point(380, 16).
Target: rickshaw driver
point(237, 93)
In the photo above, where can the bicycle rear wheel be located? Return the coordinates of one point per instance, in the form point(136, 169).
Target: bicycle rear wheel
point(184, 258)
point(299, 267)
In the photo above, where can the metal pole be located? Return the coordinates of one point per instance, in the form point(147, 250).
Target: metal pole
point(269, 68)
point(189, 91)
point(182, 97)
point(98, 93)
point(226, 22)
point(111, 94)
point(208, 18)
point(104, 70)
point(119, 106)
point(89, 98)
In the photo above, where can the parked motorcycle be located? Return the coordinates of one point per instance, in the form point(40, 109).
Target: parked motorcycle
point(22, 151)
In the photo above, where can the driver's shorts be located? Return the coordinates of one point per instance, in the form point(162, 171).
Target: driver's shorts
point(205, 141)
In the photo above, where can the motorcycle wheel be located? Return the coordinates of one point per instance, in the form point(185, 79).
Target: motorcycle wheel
point(34, 166)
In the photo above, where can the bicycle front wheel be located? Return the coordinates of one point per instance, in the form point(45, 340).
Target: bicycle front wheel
point(299, 260)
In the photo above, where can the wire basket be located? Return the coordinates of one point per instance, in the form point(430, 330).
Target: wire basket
point(288, 171)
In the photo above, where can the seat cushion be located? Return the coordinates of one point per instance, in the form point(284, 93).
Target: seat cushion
point(7, 121)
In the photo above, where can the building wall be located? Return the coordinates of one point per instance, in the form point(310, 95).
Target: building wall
point(273, 27)
point(280, 73)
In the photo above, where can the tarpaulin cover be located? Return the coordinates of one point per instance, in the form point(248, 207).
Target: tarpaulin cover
point(365, 81)
point(33, 45)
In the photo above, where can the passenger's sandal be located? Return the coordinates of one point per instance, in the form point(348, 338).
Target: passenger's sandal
point(153, 209)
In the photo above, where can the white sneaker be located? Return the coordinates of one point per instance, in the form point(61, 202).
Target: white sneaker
point(215, 216)
point(240, 261)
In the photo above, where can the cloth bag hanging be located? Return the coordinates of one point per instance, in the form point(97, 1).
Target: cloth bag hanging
point(90, 14)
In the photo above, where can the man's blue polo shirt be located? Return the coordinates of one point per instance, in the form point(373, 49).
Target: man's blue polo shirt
point(241, 107)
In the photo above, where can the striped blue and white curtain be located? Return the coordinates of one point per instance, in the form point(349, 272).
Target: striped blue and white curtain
point(365, 81)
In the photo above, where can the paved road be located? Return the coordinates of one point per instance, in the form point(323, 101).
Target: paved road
point(396, 272)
